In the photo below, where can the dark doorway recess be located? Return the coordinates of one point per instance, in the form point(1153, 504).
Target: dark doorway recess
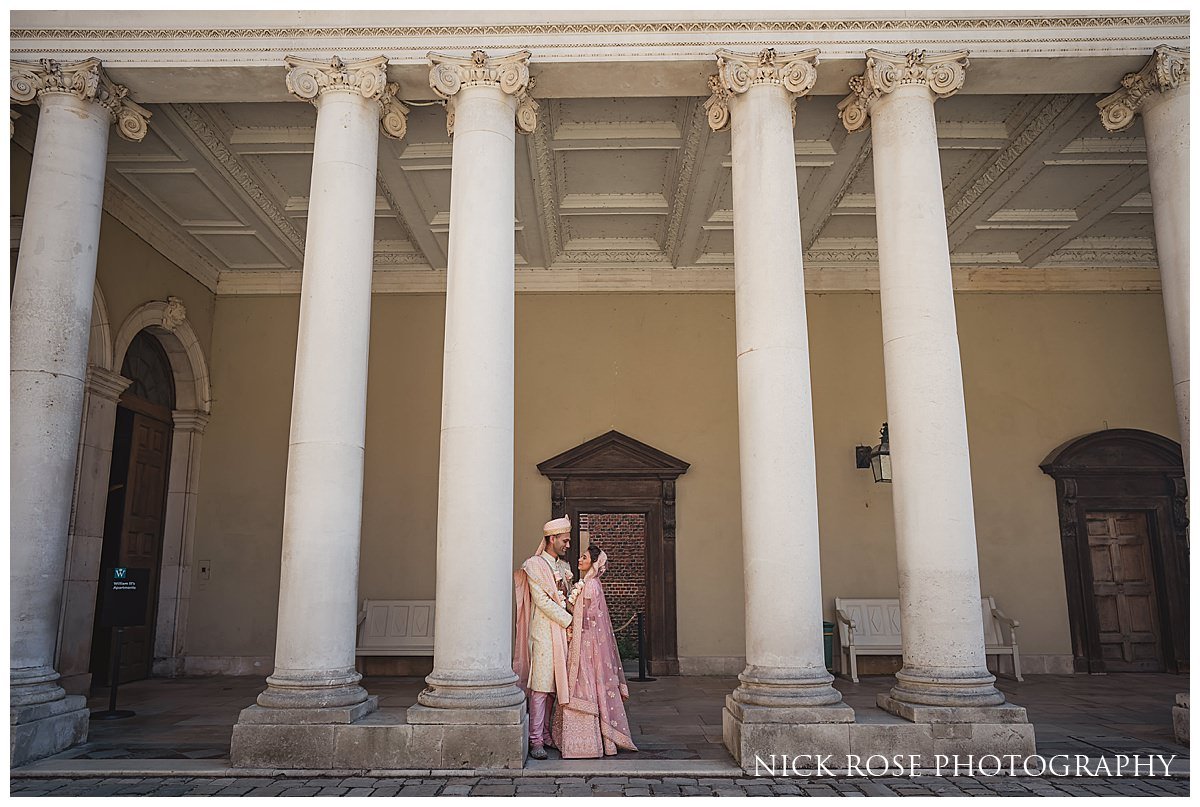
point(614, 473)
point(136, 506)
point(1122, 508)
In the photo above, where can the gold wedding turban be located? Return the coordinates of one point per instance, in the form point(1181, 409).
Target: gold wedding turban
point(556, 526)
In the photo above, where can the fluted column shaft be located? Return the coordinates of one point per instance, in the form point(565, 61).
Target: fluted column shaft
point(50, 326)
point(472, 657)
point(938, 567)
point(784, 647)
point(318, 591)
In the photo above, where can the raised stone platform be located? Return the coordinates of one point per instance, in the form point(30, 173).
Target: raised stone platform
point(387, 739)
point(44, 729)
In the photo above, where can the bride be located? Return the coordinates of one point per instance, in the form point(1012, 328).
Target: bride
point(593, 724)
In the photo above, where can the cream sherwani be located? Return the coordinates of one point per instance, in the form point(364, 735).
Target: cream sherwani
point(545, 612)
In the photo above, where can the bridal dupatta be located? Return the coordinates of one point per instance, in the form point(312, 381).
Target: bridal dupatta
point(593, 723)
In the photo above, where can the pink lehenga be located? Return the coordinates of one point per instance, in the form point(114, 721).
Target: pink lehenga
point(593, 724)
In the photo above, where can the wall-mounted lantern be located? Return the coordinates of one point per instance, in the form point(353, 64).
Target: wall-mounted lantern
point(877, 458)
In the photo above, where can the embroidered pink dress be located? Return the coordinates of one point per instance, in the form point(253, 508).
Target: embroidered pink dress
point(593, 724)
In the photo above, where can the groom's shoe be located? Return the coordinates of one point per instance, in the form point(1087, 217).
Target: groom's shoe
point(537, 752)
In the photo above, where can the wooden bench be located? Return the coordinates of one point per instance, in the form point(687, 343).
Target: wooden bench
point(871, 627)
point(395, 628)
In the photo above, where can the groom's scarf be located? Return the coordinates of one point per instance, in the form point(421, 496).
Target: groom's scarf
point(536, 572)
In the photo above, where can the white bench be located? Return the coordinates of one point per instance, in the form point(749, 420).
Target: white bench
point(395, 628)
point(871, 627)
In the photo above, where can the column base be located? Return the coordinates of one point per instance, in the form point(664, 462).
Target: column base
point(966, 730)
point(753, 733)
point(418, 738)
point(936, 688)
point(1181, 717)
point(782, 688)
point(471, 691)
point(43, 729)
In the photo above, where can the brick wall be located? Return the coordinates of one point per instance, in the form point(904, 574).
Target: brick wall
point(622, 536)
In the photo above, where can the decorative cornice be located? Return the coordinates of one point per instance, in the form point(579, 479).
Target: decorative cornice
point(738, 72)
point(449, 74)
point(942, 73)
point(1167, 69)
point(85, 80)
point(229, 161)
point(309, 80)
point(658, 27)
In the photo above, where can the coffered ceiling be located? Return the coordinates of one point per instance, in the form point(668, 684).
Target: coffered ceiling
point(634, 194)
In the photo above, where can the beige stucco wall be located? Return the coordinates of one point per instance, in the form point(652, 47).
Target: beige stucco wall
point(1038, 369)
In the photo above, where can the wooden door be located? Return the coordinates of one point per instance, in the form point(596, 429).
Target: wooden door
point(133, 530)
point(1124, 595)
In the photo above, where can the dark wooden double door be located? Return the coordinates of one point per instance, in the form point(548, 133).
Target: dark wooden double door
point(133, 529)
point(1124, 592)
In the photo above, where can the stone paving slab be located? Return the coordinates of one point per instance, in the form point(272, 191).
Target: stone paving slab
point(602, 785)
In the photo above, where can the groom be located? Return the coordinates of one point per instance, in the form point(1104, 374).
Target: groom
point(540, 654)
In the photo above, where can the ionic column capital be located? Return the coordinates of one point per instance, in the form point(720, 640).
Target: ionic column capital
point(1168, 69)
point(449, 74)
point(308, 80)
point(87, 81)
point(942, 73)
point(738, 72)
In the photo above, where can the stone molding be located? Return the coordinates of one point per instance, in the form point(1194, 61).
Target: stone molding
point(106, 383)
point(308, 80)
point(449, 74)
point(738, 72)
point(597, 28)
point(1168, 69)
point(190, 420)
point(85, 80)
point(942, 73)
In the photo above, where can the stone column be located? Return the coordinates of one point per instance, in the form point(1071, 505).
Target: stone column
point(1159, 91)
point(941, 622)
point(472, 657)
point(51, 321)
point(314, 681)
point(785, 680)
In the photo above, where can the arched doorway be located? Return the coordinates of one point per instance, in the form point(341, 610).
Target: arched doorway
point(136, 505)
point(615, 474)
point(1122, 505)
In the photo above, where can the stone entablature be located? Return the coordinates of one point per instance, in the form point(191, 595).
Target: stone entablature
point(672, 50)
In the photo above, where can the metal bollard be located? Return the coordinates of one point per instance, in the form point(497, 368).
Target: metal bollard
point(642, 649)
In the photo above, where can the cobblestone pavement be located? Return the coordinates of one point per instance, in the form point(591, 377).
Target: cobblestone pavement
point(605, 786)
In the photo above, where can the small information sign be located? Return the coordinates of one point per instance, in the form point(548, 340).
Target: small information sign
point(125, 597)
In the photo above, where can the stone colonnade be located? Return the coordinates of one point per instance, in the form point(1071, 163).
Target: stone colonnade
point(313, 712)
